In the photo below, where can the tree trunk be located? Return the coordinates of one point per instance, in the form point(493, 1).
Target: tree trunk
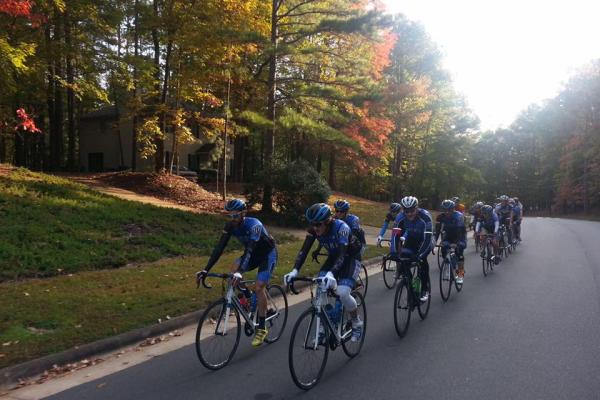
point(70, 96)
point(269, 135)
point(136, 44)
point(159, 158)
point(56, 150)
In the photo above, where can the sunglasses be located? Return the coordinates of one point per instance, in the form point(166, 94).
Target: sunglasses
point(317, 224)
point(410, 210)
point(234, 216)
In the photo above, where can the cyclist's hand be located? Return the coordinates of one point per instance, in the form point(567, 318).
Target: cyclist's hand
point(237, 277)
point(289, 276)
point(379, 239)
point(200, 276)
point(315, 256)
point(363, 248)
point(328, 281)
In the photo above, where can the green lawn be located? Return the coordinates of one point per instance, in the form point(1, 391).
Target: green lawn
point(48, 315)
point(51, 226)
point(370, 212)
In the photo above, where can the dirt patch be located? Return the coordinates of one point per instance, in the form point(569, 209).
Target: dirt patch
point(171, 188)
point(6, 169)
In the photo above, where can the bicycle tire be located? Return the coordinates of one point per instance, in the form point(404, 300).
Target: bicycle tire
point(423, 307)
point(389, 268)
point(273, 292)
point(362, 282)
point(402, 308)
point(215, 312)
point(446, 281)
point(305, 335)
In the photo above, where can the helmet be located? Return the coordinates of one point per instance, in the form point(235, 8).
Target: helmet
point(318, 212)
point(516, 199)
point(503, 198)
point(479, 204)
point(511, 201)
point(487, 209)
point(455, 199)
point(409, 202)
point(341, 205)
point(395, 208)
point(235, 205)
point(448, 204)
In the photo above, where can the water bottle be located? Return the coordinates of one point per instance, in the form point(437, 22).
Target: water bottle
point(416, 285)
point(253, 302)
point(337, 311)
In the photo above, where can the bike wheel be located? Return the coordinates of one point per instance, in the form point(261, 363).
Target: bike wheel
point(478, 246)
point(446, 281)
point(362, 282)
point(486, 260)
point(423, 308)
point(353, 348)
point(218, 335)
point(277, 312)
point(440, 259)
point(308, 352)
point(402, 308)
point(389, 273)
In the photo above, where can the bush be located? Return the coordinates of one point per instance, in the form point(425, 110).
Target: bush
point(296, 186)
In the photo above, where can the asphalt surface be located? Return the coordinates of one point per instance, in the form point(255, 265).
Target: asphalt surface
point(530, 330)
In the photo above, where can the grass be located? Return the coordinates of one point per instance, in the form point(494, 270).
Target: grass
point(50, 226)
point(44, 316)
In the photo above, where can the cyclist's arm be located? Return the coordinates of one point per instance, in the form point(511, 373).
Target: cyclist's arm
point(218, 250)
point(425, 247)
point(478, 227)
point(388, 219)
point(301, 257)
point(246, 256)
point(438, 229)
point(339, 261)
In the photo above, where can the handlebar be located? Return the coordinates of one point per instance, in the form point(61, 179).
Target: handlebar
point(302, 279)
point(211, 275)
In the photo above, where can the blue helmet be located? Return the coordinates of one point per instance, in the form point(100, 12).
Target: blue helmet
point(395, 208)
point(235, 205)
point(318, 212)
point(448, 204)
point(341, 205)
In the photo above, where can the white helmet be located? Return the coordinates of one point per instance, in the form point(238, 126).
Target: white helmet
point(409, 202)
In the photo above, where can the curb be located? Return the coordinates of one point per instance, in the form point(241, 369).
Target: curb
point(10, 376)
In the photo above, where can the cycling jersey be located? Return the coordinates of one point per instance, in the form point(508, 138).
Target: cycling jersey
point(503, 212)
point(489, 222)
point(517, 214)
point(417, 233)
point(452, 225)
point(259, 245)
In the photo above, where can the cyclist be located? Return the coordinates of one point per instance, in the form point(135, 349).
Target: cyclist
point(395, 209)
point(458, 205)
point(517, 217)
point(452, 224)
point(357, 234)
point(334, 235)
point(505, 215)
point(417, 227)
point(260, 252)
point(475, 211)
point(488, 224)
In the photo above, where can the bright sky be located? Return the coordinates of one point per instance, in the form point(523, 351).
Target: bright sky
point(505, 55)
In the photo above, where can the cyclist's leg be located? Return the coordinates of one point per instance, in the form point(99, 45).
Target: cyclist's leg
point(263, 276)
point(424, 276)
point(444, 247)
point(460, 251)
point(346, 283)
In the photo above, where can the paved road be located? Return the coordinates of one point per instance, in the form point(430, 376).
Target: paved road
point(530, 330)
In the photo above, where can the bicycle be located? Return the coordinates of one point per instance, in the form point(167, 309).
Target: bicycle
point(362, 278)
point(408, 295)
point(318, 330)
point(220, 323)
point(389, 267)
point(487, 255)
point(503, 241)
point(448, 273)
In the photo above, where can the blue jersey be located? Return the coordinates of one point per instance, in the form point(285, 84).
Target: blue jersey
point(516, 212)
point(489, 222)
point(503, 212)
point(338, 235)
point(358, 235)
point(452, 225)
point(417, 233)
point(388, 218)
point(252, 234)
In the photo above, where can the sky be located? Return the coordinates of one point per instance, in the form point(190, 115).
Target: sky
point(505, 55)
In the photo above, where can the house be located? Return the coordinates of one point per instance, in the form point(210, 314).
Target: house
point(106, 141)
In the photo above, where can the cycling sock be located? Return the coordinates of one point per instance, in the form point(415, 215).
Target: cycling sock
point(261, 322)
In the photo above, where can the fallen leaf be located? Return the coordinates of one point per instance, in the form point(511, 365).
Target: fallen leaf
point(101, 385)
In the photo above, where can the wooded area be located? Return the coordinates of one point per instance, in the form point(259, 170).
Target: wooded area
point(360, 95)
